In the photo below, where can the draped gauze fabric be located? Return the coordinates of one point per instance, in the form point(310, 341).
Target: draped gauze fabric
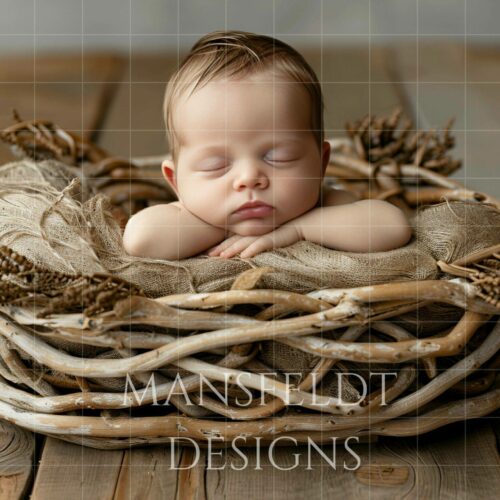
point(60, 225)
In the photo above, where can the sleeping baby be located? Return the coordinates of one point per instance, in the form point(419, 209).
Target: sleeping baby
point(244, 116)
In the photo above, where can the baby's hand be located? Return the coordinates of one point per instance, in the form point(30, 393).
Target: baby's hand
point(252, 245)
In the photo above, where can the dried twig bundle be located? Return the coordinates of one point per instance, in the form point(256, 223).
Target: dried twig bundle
point(43, 139)
point(482, 270)
point(24, 283)
point(129, 187)
point(380, 140)
point(383, 159)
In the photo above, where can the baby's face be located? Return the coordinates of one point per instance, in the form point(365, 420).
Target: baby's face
point(243, 141)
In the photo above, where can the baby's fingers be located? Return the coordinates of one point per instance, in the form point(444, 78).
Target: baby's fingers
point(237, 247)
point(258, 246)
point(224, 245)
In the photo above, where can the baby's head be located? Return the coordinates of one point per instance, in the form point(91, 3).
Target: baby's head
point(244, 117)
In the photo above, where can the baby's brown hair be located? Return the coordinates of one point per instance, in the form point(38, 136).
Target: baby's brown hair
point(231, 53)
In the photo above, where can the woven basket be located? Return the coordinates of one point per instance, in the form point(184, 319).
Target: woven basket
point(94, 360)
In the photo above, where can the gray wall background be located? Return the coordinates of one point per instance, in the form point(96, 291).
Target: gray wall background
point(159, 25)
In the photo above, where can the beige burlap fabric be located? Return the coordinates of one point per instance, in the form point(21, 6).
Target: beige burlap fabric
point(60, 226)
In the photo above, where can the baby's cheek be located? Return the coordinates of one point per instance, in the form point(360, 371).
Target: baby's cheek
point(299, 197)
point(204, 206)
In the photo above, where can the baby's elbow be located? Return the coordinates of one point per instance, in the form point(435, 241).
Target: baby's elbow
point(397, 235)
point(139, 240)
point(393, 229)
point(133, 242)
point(398, 229)
point(404, 232)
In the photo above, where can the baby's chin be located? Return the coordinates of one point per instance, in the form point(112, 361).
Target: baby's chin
point(249, 229)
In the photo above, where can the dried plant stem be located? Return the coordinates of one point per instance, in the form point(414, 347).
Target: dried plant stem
point(477, 256)
point(435, 195)
point(232, 297)
point(456, 292)
point(21, 373)
point(398, 333)
point(396, 352)
point(364, 168)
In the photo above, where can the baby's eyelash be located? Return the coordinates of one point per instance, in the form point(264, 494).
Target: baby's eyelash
point(279, 161)
point(279, 153)
point(211, 169)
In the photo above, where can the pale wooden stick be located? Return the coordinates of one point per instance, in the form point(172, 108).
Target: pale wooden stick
point(276, 404)
point(142, 311)
point(456, 292)
point(366, 168)
point(477, 256)
point(150, 161)
point(399, 333)
point(435, 195)
point(16, 366)
point(89, 367)
point(153, 427)
point(187, 346)
point(405, 378)
point(395, 352)
point(294, 300)
point(103, 400)
point(456, 411)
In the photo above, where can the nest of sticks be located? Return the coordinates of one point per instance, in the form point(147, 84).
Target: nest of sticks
point(93, 360)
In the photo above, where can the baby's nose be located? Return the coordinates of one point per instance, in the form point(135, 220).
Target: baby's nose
point(250, 176)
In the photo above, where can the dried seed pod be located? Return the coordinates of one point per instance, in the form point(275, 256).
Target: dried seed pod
point(379, 141)
point(22, 282)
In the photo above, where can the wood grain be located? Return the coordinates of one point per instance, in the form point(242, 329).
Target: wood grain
point(147, 473)
point(16, 461)
point(70, 471)
point(460, 461)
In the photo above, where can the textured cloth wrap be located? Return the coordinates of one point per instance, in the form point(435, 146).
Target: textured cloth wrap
point(61, 226)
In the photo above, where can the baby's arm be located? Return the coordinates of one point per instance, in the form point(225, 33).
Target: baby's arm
point(363, 226)
point(169, 232)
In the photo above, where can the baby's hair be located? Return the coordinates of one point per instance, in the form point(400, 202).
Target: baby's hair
point(237, 53)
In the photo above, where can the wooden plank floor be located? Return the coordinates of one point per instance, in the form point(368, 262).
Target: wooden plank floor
point(460, 461)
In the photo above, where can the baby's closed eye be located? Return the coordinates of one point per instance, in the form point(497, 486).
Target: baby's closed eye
point(210, 164)
point(280, 155)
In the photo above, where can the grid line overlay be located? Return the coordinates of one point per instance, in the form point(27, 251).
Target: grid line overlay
point(417, 82)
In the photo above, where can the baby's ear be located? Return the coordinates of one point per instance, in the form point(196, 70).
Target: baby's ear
point(168, 171)
point(325, 157)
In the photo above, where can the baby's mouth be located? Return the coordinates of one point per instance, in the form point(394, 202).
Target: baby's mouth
point(253, 210)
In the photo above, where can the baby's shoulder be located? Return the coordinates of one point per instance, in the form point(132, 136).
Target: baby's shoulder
point(177, 204)
point(332, 196)
point(155, 212)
